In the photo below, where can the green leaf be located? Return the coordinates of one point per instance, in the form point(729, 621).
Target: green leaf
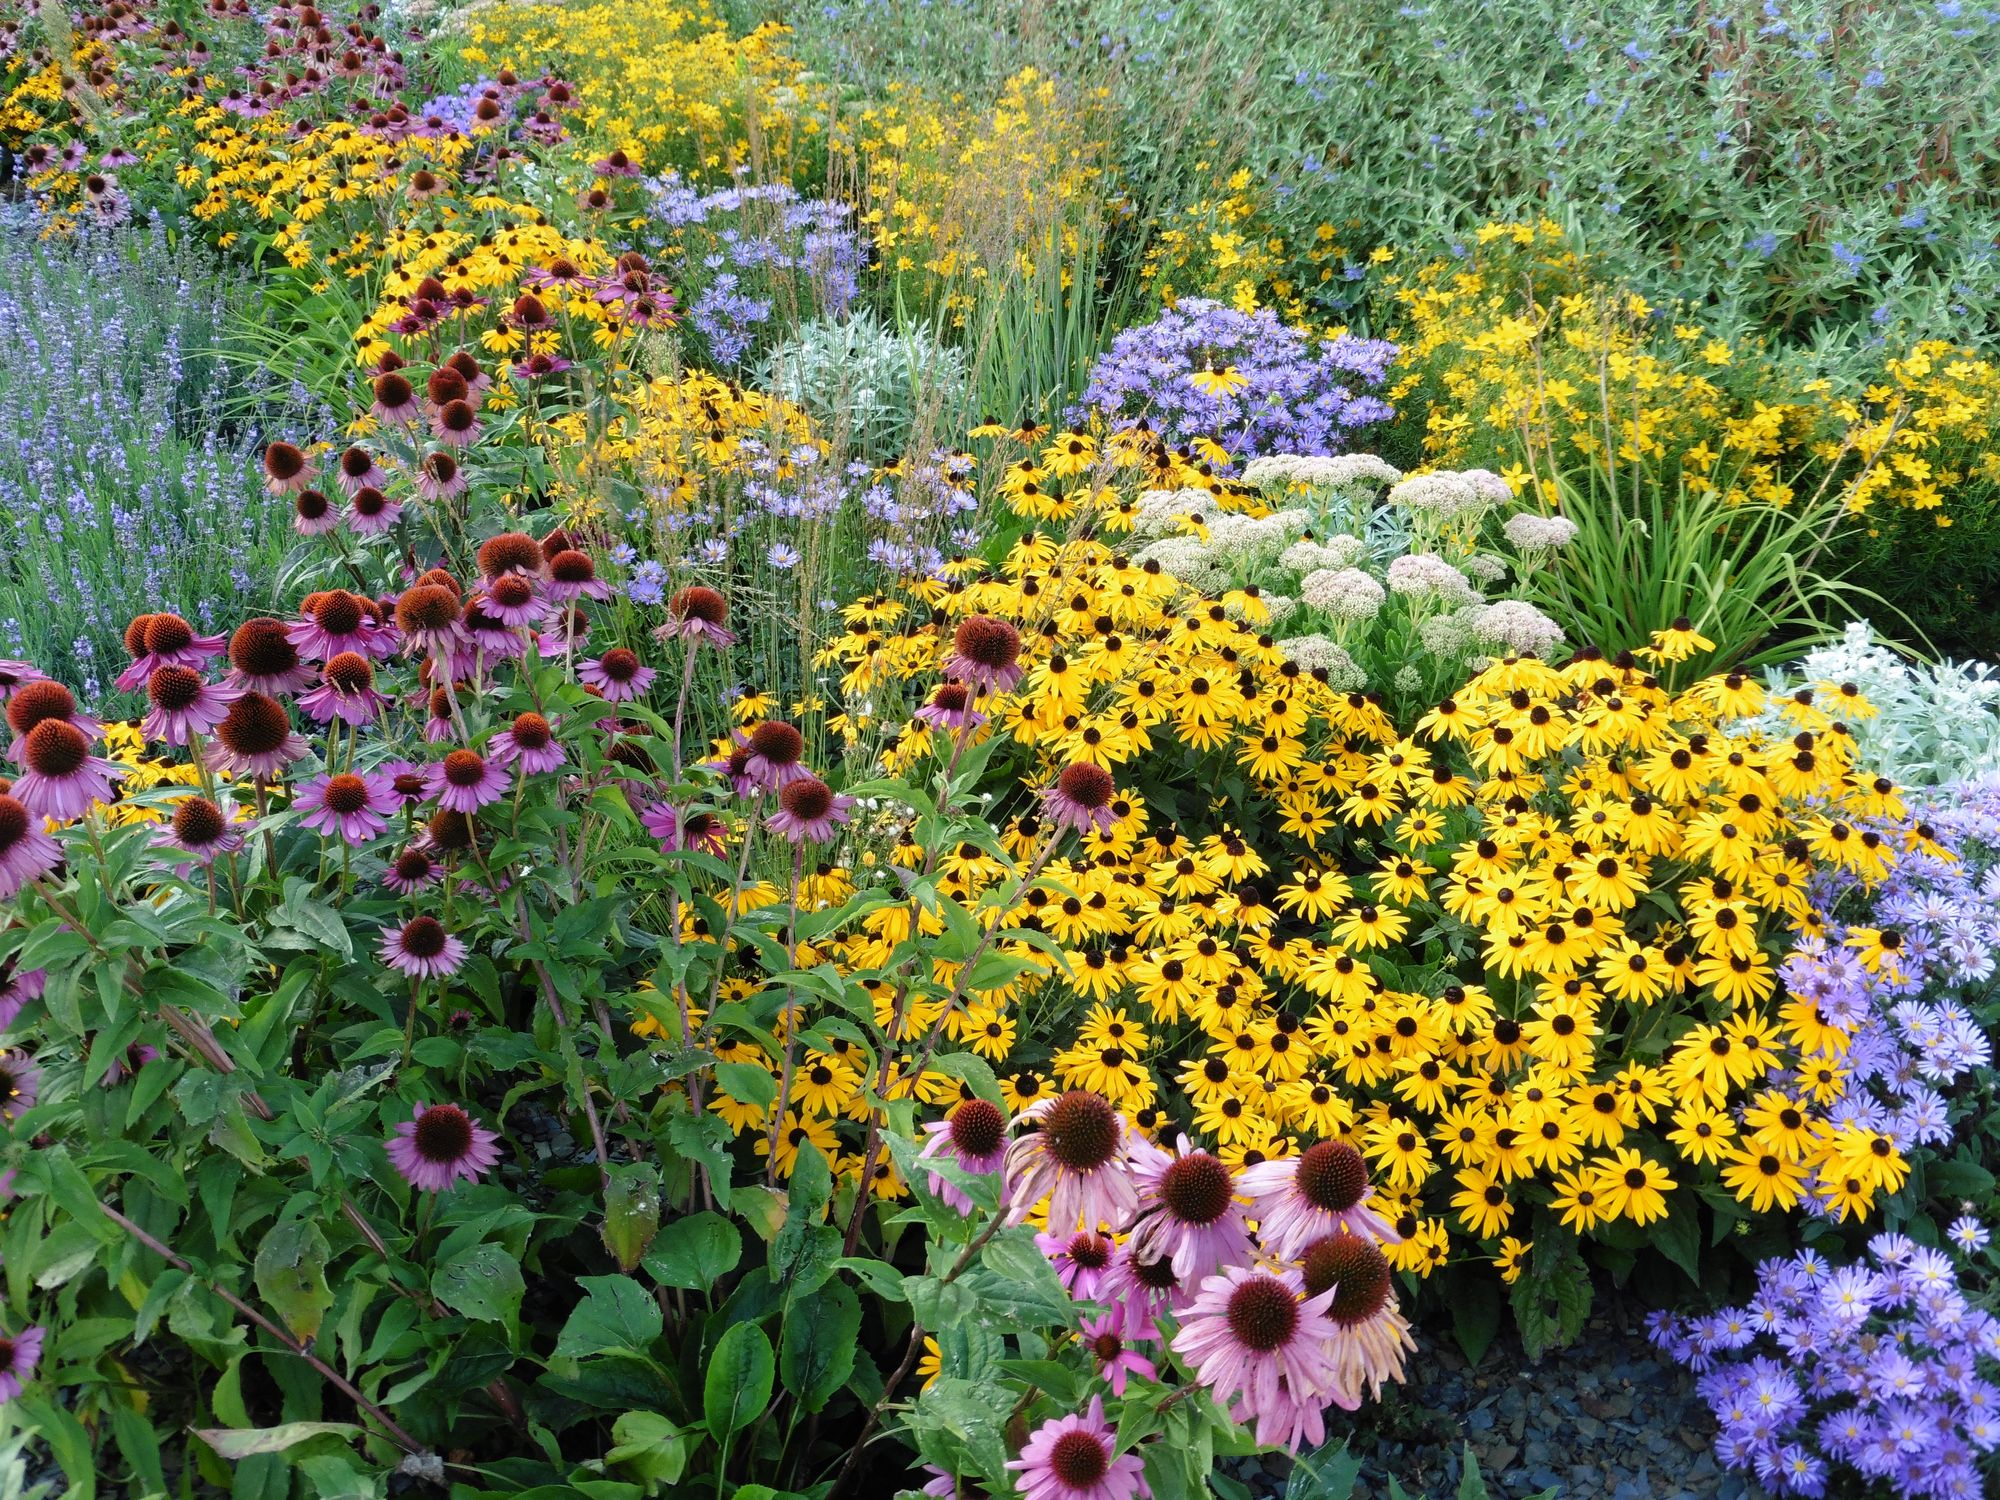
point(1324, 1475)
point(1958, 1179)
point(235, 1443)
point(748, 1083)
point(290, 1272)
point(816, 1349)
point(631, 1212)
point(738, 1385)
point(483, 1282)
point(972, 1070)
point(1678, 1237)
point(616, 1316)
point(649, 1447)
point(695, 1253)
point(1471, 1483)
point(1475, 1316)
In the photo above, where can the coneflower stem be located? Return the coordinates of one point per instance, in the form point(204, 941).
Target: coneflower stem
point(791, 1020)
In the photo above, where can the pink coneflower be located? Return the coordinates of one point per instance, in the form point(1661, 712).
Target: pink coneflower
point(777, 754)
point(19, 1354)
point(477, 381)
point(1076, 1458)
point(465, 781)
point(445, 386)
point(1081, 798)
point(313, 514)
point(1370, 1334)
point(808, 811)
point(1140, 1292)
point(286, 469)
point(335, 621)
point(346, 692)
point(699, 614)
point(353, 806)
point(17, 988)
point(181, 705)
point(257, 738)
point(950, 707)
point(735, 766)
point(15, 675)
point(1188, 1212)
point(359, 471)
point(1321, 1191)
point(572, 575)
point(1081, 1260)
point(135, 1056)
point(618, 675)
point(442, 1144)
point(263, 659)
point(165, 641)
point(512, 552)
point(1117, 1361)
point(531, 740)
point(617, 164)
point(512, 600)
point(411, 871)
point(539, 367)
point(409, 782)
point(20, 1084)
point(456, 425)
point(1250, 1336)
point(201, 830)
point(371, 512)
point(431, 619)
point(61, 778)
point(26, 850)
point(1075, 1150)
point(985, 652)
point(486, 638)
point(422, 949)
point(440, 477)
point(395, 399)
point(34, 703)
point(974, 1137)
point(700, 831)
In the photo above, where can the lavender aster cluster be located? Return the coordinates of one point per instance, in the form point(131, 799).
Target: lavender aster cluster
point(1297, 396)
point(1884, 1367)
point(745, 253)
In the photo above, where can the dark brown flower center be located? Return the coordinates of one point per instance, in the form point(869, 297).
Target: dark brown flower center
point(346, 793)
point(1079, 1460)
point(254, 725)
point(166, 633)
point(988, 642)
point(456, 417)
point(808, 799)
point(173, 688)
point(14, 823)
point(698, 603)
point(426, 607)
point(1080, 1130)
point(260, 648)
point(619, 664)
point(464, 768)
point(198, 823)
point(338, 612)
point(1356, 1267)
point(1263, 1313)
point(510, 552)
point(283, 462)
point(350, 672)
point(443, 1134)
point(1086, 785)
point(777, 742)
point(370, 503)
point(511, 591)
point(1089, 1249)
point(531, 732)
point(56, 747)
point(977, 1128)
point(37, 701)
point(572, 567)
point(413, 865)
point(1332, 1176)
point(1196, 1188)
point(424, 937)
point(393, 391)
point(311, 505)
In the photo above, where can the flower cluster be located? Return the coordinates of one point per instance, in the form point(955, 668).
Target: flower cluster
point(1884, 1367)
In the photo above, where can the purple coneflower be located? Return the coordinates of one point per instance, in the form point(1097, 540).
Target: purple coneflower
point(263, 659)
point(456, 425)
point(359, 471)
point(354, 807)
point(440, 477)
point(974, 1136)
point(572, 575)
point(16, 990)
point(336, 621)
point(313, 514)
point(699, 614)
point(19, 1354)
point(422, 949)
point(286, 469)
point(1140, 1292)
point(371, 512)
point(618, 675)
point(674, 829)
point(736, 767)
point(26, 850)
point(1080, 1259)
point(61, 778)
point(15, 675)
point(777, 754)
point(617, 164)
point(201, 830)
point(1323, 1190)
point(1076, 1458)
point(431, 619)
point(512, 552)
point(182, 705)
point(1250, 1335)
point(808, 811)
point(257, 738)
point(465, 781)
point(512, 600)
point(411, 871)
point(1370, 1334)
point(1189, 1212)
point(34, 703)
point(135, 1056)
point(539, 366)
point(157, 641)
point(1081, 798)
point(20, 1084)
point(346, 692)
point(486, 639)
point(395, 399)
point(442, 1144)
point(950, 707)
point(1075, 1150)
point(438, 725)
point(985, 652)
point(409, 782)
point(1117, 1361)
point(531, 740)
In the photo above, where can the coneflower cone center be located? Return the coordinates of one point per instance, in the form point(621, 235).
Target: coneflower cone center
point(1079, 1460)
point(174, 688)
point(809, 799)
point(1356, 1268)
point(464, 768)
point(1332, 1176)
point(1196, 1188)
point(56, 747)
point(1085, 784)
point(424, 938)
point(443, 1133)
point(346, 793)
point(1263, 1314)
point(198, 821)
point(1081, 1130)
point(977, 1128)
